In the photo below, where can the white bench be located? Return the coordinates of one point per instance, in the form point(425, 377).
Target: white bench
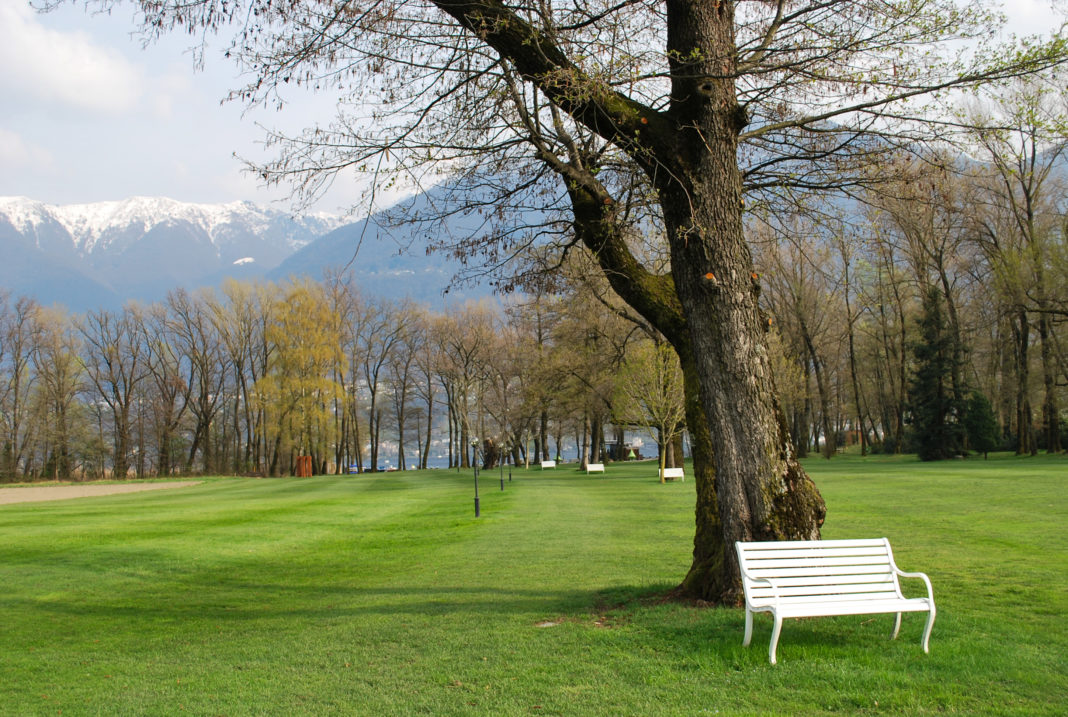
point(815, 578)
point(673, 473)
point(548, 464)
point(594, 468)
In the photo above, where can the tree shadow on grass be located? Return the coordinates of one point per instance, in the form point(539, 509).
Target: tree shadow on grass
point(237, 599)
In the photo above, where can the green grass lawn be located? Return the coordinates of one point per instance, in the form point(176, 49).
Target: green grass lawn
point(383, 595)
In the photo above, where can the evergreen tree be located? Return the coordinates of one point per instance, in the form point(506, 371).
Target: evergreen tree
point(981, 424)
point(936, 411)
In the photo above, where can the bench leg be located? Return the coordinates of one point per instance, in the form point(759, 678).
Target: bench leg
point(748, 628)
point(774, 638)
point(927, 630)
point(897, 626)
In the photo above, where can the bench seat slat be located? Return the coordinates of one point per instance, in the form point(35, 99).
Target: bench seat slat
point(834, 578)
point(827, 589)
point(812, 544)
point(761, 555)
point(828, 592)
point(819, 562)
point(842, 570)
point(816, 580)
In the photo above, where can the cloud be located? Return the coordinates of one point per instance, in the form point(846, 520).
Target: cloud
point(1026, 17)
point(17, 154)
point(62, 68)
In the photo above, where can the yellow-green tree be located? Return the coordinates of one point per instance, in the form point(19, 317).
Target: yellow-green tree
point(650, 393)
point(60, 373)
point(298, 392)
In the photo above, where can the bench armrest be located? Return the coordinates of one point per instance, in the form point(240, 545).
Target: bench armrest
point(766, 581)
point(921, 576)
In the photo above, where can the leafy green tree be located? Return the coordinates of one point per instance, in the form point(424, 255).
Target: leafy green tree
point(981, 425)
point(935, 410)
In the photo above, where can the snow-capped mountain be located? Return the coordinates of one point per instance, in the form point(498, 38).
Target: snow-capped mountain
point(87, 256)
point(100, 226)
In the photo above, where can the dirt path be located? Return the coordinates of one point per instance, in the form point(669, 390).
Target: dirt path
point(62, 492)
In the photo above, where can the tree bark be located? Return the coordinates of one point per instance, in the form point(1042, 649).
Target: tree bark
point(761, 489)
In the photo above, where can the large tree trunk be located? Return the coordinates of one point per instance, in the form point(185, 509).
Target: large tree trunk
point(761, 490)
point(713, 574)
point(710, 577)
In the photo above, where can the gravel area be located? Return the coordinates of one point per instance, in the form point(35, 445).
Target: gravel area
point(31, 494)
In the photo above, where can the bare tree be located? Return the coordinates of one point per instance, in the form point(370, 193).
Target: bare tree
point(170, 390)
point(464, 338)
point(198, 342)
point(401, 372)
point(801, 289)
point(380, 332)
point(18, 339)
point(1025, 141)
point(115, 365)
point(424, 368)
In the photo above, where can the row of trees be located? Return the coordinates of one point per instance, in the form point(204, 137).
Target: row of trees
point(944, 288)
point(896, 320)
point(244, 379)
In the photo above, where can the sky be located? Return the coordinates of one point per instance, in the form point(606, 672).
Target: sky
point(87, 113)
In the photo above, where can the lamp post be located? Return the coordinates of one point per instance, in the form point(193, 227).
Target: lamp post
point(474, 451)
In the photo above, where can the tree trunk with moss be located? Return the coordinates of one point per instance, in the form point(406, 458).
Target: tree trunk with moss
point(761, 490)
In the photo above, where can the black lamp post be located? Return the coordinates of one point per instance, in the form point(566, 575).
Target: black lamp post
point(474, 457)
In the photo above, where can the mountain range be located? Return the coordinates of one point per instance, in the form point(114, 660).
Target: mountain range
point(100, 255)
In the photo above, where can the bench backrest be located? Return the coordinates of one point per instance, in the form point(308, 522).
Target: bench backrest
point(818, 570)
point(673, 473)
point(548, 464)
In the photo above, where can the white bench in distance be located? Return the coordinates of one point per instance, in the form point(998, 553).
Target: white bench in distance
point(816, 578)
point(548, 464)
point(594, 468)
point(673, 473)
